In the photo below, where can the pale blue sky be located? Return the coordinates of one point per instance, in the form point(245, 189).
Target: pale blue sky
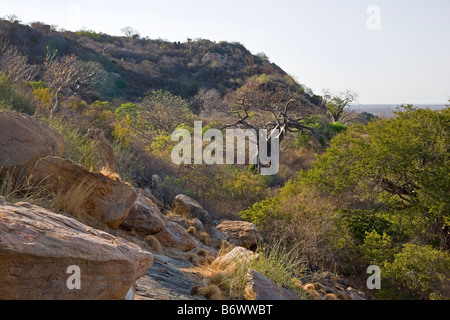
point(324, 43)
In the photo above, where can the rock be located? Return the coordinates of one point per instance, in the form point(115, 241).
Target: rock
point(144, 217)
point(217, 236)
point(165, 281)
point(156, 182)
point(238, 254)
point(153, 195)
point(24, 140)
point(241, 233)
point(259, 287)
point(189, 208)
point(37, 247)
point(186, 223)
point(86, 195)
point(174, 236)
point(355, 294)
point(197, 224)
point(105, 152)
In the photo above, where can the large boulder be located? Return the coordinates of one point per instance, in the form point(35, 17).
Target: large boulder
point(40, 252)
point(144, 217)
point(23, 141)
point(90, 196)
point(217, 237)
point(176, 237)
point(259, 287)
point(189, 208)
point(241, 233)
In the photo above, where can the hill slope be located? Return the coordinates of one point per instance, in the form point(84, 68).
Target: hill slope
point(130, 67)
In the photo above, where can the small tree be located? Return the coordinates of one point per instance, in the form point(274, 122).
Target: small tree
point(336, 103)
point(65, 75)
point(129, 32)
point(15, 64)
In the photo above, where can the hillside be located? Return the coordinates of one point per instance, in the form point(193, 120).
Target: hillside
point(129, 67)
point(99, 173)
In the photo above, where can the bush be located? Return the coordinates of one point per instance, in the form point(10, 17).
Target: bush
point(281, 266)
point(377, 248)
point(15, 96)
point(263, 212)
point(76, 146)
point(421, 271)
point(359, 224)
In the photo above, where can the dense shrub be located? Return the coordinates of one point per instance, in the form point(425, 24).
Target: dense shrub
point(421, 271)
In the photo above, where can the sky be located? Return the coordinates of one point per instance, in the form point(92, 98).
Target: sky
point(389, 51)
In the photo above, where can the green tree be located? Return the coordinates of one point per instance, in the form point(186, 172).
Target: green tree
point(403, 161)
point(337, 102)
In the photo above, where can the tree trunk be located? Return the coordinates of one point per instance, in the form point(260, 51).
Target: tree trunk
point(55, 107)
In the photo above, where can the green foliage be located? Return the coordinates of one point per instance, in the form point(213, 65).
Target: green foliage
point(100, 114)
point(38, 85)
point(263, 212)
point(90, 34)
point(422, 271)
point(405, 158)
point(360, 223)
point(77, 147)
point(337, 127)
point(377, 248)
point(325, 129)
point(14, 97)
point(130, 109)
point(275, 262)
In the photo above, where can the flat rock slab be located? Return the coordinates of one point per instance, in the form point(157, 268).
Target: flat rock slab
point(164, 281)
point(37, 247)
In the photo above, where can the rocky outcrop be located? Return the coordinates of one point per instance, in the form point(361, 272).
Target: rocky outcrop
point(40, 251)
point(23, 141)
point(241, 233)
point(105, 152)
point(259, 287)
point(144, 217)
point(176, 237)
point(87, 195)
point(189, 208)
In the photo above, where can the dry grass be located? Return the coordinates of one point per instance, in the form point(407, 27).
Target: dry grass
point(192, 230)
point(204, 237)
point(279, 266)
point(71, 199)
point(109, 172)
point(154, 244)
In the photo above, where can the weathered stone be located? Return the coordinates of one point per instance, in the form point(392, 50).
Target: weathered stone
point(23, 141)
point(38, 246)
point(175, 236)
point(217, 236)
point(189, 208)
point(89, 195)
point(241, 233)
point(237, 255)
point(144, 217)
point(259, 287)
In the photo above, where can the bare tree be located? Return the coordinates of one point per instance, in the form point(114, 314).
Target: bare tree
point(15, 64)
point(129, 32)
point(209, 103)
point(12, 18)
point(268, 105)
point(65, 75)
point(337, 102)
